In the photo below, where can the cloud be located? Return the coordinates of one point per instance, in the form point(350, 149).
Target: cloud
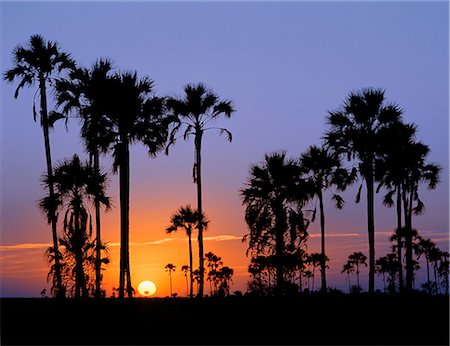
point(25, 246)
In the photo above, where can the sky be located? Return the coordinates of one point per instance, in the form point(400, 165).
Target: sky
point(283, 65)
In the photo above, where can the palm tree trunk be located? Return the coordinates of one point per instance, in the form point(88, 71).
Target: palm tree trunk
point(198, 146)
point(124, 277)
point(60, 293)
point(408, 241)
point(399, 238)
point(371, 230)
point(428, 274)
point(349, 284)
point(279, 248)
point(191, 290)
point(357, 277)
point(170, 280)
point(97, 234)
point(322, 228)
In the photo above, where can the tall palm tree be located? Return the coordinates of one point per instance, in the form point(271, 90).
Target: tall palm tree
point(354, 132)
point(426, 247)
point(419, 171)
point(391, 171)
point(323, 168)
point(170, 268)
point(187, 219)
point(75, 183)
point(195, 111)
point(357, 259)
point(41, 63)
point(86, 94)
point(134, 114)
point(274, 196)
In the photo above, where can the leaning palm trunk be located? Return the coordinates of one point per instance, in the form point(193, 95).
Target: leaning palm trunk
point(371, 230)
point(323, 259)
point(124, 220)
point(60, 293)
point(198, 178)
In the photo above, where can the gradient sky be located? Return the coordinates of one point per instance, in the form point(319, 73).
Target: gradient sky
point(283, 64)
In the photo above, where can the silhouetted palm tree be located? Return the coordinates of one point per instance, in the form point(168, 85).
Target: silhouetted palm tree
point(134, 114)
point(418, 172)
point(195, 111)
point(354, 132)
point(274, 196)
point(42, 62)
point(75, 182)
point(348, 269)
point(213, 263)
point(185, 269)
point(443, 270)
point(170, 268)
point(323, 168)
point(187, 219)
point(356, 259)
point(86, 94)
point(391, 172)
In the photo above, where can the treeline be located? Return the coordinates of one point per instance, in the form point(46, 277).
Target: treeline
point(116, 110)
point(366, 141)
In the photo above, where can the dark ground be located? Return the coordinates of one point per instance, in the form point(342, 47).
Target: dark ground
point(305, 320)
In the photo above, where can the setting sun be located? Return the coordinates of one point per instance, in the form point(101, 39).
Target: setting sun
point(146, 288)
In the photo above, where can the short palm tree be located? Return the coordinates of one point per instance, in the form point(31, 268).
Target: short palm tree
point(274, 196)
point(348, 269)
point(134, 114)
point(323, 168)
point(85, 93)
point(185, 269)
point(357, 259)
point(170, 268)
point(355, 133)
point(41, 63)
point(187, 219)
point(195, 112)
point(75, 183)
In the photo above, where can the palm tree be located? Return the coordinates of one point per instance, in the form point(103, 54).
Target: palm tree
point(348, 269)
point(41, 62)
point(185, 269)
point(213, 263)
point(75, 182)
point(323, 168)
point(170, 268)
point(418, 172)
point(134, 114)
point(354, 132)
point(315, 259)
point(381, 267)
point(356, 259)
point(391, 171)
point(274, 196)
point(187, 219)
point(86, 94)
point(199, 107)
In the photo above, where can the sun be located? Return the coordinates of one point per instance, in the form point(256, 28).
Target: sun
point(146, 288)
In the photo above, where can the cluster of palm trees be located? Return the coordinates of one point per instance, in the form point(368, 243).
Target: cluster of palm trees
point(218, 275)
point(116, 110)
point(368, 134)
point(367, 140)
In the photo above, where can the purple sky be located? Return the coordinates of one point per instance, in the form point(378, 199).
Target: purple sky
point(284, 65)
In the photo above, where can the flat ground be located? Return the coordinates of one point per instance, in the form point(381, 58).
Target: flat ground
point(303, 320)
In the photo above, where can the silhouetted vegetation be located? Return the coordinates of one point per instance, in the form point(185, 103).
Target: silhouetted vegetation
point(117, 109)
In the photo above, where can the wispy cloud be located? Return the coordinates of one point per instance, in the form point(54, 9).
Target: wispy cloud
point(25, 246)
point(336, 235)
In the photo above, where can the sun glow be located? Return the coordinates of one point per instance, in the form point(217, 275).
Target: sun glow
point(146, 288)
